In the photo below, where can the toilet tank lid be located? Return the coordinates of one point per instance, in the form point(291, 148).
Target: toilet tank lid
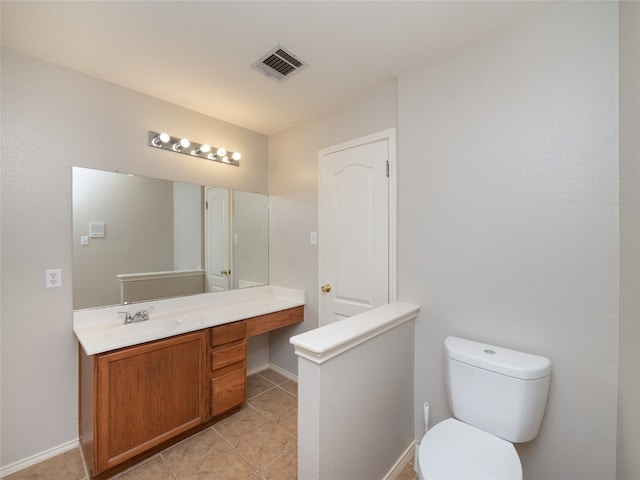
point(497, 359)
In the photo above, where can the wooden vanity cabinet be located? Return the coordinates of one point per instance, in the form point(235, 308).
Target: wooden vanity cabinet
point(136, 398)
point(143, 396)
point(228, 370)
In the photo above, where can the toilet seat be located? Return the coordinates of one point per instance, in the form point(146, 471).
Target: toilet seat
point(454, 450)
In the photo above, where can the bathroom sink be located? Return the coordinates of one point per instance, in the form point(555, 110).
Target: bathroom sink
point(144, 328)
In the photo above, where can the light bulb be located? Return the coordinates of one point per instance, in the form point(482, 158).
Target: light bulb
point(183, 143)
point(221, 152)
point(202, 149)
point(158, 140)
point(236, 156)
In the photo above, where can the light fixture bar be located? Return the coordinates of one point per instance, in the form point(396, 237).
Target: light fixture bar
point(205, 151)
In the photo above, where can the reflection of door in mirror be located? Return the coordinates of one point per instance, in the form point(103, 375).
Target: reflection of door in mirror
point(217, 258)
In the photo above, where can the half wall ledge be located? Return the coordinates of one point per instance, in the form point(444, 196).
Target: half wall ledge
point(329, 341)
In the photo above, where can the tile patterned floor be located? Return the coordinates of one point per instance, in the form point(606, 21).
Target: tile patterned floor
point(257, 443)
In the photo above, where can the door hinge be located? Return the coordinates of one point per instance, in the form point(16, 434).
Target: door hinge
point(387, 168)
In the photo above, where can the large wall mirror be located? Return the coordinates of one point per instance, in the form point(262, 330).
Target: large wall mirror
point(139, 238)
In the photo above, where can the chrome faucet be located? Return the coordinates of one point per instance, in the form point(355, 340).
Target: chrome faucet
point(139, 316)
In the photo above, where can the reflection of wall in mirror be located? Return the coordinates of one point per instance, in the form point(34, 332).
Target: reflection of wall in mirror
point(187, 226)
point(138, 287)
point(250, 239)
point(129, 245)
point(157, 226)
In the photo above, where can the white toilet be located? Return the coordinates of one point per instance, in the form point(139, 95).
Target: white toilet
point(497, 397)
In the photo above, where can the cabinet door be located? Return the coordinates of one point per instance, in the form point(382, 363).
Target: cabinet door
point(148, 394)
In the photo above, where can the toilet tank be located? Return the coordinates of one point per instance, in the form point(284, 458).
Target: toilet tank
point(499, 391)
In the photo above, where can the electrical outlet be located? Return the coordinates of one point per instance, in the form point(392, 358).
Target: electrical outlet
point(53, 278)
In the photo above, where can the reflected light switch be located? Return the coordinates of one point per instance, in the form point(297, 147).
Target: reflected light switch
point(84, 240)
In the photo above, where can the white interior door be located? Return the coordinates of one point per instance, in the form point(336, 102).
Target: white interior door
point(354, 226)
point(217, 257)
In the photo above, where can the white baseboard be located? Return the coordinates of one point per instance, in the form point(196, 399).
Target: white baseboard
point(283, 372)
point(406, 457)
point(39, 457)
point(257, 369)
point(275, 368)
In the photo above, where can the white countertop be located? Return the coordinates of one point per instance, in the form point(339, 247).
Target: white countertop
point(103, 329)
point(328, 341)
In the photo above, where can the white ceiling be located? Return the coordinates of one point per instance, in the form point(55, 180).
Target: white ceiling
point(198, 54)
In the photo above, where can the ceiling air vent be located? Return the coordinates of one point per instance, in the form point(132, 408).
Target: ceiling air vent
point(279, 63)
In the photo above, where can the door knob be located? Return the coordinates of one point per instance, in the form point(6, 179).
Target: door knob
point(326, 288)
point(225, 272)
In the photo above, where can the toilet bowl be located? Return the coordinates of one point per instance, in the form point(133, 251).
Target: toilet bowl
point(497, 397)
point(454, 450)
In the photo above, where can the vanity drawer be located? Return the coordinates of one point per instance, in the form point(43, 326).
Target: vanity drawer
point(275, 320)
point(228, 391)
point(231, 332)
point(223, 356)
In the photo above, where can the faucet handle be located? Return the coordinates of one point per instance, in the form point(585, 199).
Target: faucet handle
point(144, 314)
point(127, 317)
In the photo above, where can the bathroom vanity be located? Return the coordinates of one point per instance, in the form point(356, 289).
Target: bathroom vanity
point(145, 384)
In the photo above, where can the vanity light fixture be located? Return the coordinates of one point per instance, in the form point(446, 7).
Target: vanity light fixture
point(165, 141)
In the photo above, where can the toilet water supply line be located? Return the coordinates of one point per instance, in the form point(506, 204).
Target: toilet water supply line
point(426, 416)
point(425, 409)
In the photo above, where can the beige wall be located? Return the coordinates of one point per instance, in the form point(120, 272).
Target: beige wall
point(509, 221)
point(629, 377)
point(52, 119)
point(499, 240)
point(293, 178)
